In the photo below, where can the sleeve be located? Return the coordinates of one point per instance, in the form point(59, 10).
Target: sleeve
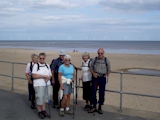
point(50, 74)
point(53, 66)
point(34, 71)
point(109, 66)
point(27, 68)
point(60, 70)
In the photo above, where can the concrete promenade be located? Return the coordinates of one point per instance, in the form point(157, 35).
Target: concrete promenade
point(14, 106)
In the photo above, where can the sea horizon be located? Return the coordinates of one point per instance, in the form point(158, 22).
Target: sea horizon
point(110, 46)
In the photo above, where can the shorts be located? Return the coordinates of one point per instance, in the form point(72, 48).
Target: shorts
point(67, 89)
point(41, 94)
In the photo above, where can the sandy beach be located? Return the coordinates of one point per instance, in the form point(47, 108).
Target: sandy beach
point(131, 83)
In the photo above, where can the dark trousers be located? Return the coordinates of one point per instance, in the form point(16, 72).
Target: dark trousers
point(31, 93)
point(56, 87)
point(87, 91)
point(101, 83)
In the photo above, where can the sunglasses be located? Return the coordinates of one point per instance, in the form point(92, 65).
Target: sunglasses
point(41, 58)
point(67, 60)
point(100, 53)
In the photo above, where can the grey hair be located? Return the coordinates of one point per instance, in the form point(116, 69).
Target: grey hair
point(85, 54)
point(67, 57)
point(42, 54)
point(33, 55)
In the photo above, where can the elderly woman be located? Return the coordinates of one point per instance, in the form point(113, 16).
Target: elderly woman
point(42, 74)
point(86, 78)
point(66, 75)
point(29, 77)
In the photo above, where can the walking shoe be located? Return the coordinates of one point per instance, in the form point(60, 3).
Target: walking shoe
point(40, 115)
point(69, 112)
point(92, 110)
point(45, 114)
point(61, 113)
point(89, 108)
point(33, 106)
point(86, 107)
point(100, 111)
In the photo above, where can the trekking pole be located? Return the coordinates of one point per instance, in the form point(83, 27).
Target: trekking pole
point(48, 101)
point(73, 100)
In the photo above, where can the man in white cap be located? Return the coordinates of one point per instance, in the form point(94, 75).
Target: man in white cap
point(55, 83)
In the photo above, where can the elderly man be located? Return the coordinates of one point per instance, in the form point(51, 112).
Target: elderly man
point(55, 83)
point(100, 69)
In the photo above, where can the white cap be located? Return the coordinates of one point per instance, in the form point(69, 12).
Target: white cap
point(62, 52)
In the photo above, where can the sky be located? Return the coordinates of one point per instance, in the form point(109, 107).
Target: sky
point(80, 20)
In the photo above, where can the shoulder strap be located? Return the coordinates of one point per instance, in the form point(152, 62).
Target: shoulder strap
point(106, 63)
point(89, 62)
point(46, 66)
point(37, 66)
point(95, 61)
point(31, 66)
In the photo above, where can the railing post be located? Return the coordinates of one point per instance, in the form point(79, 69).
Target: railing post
point(12, 77)
point(121, 93)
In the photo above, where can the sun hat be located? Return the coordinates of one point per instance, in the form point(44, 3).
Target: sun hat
point(62, 52)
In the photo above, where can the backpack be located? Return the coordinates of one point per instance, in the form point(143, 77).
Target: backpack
point(31, 66)
point(42, 66)
point(105, 59)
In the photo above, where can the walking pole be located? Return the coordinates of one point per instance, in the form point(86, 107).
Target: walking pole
point(73, 100)
point(48, 101)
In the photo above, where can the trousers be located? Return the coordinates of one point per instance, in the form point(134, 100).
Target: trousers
point(101, 83)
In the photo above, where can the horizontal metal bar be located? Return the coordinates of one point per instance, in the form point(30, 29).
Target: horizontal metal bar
point(20, 63)
point(5, 61)
point(115, 91)
point(141, 94)
point(20, 78)
point(140, 74)
point(5, 75)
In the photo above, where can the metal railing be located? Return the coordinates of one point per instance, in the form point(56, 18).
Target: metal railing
point(121, 92)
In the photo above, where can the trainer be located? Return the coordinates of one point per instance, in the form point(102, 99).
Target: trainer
point(100, 69)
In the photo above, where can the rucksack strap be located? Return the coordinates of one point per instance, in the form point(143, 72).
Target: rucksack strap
point(105, 59)
point(31, 66)
point(38, 66)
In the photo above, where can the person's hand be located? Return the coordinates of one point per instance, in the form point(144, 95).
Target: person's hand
point(95, 75)
point(106, 75)
point(62, 87)
point(53, 81)
point(30, 82)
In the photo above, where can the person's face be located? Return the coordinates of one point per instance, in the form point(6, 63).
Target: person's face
point(100, 54)
point(42, 59)
point(85, 58)
point(35, 59)
point(62, 57)
point(67, 61)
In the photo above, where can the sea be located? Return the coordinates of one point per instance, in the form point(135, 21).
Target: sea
point(129, 47)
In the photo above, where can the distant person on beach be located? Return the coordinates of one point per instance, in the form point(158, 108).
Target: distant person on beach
point(100, 69)
point(86, 78)
point(66, 77)
point(29, 77)
point(42, 75)
point(55, 83)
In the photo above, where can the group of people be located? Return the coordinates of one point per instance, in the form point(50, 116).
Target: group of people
point(61, 75)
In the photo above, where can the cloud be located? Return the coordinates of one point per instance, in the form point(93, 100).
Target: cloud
point(9, 8)
point(131, 5)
